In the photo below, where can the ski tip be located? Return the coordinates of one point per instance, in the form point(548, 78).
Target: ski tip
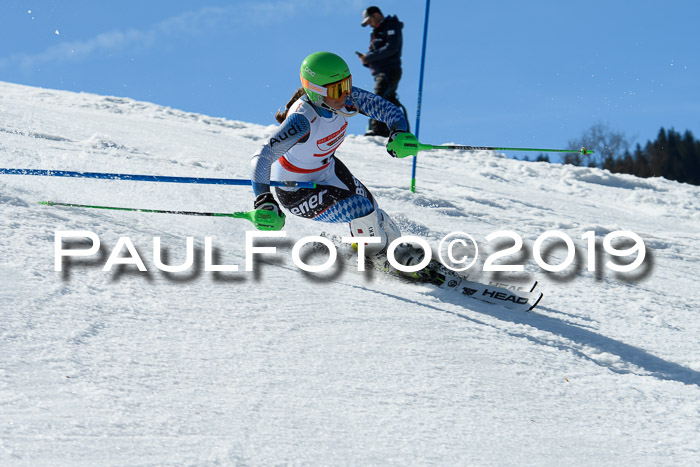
point(536, 302)
point(533, 287)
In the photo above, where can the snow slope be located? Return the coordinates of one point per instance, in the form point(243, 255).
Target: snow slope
point(280, 366)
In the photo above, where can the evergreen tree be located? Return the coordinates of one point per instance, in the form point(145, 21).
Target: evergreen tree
point(690, 158)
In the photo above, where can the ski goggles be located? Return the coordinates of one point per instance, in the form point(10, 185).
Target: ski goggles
point(333, 90)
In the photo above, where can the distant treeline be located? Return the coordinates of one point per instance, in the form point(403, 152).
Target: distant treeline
point(671, 155)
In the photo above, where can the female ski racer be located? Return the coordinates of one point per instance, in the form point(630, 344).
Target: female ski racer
point(313, 126)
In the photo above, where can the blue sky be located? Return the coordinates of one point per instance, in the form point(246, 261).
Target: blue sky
point(498, 73)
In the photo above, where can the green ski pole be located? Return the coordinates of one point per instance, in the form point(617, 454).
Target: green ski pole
point(429, 147)
point(263, 220)
point(405, 145)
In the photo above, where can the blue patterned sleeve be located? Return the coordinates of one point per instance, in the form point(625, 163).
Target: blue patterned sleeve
point(289, 133)
point(380, 109)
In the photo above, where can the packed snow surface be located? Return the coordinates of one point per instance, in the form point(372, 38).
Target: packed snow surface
point(281, 366)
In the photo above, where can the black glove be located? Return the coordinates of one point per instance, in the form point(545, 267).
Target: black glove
point(267, 202)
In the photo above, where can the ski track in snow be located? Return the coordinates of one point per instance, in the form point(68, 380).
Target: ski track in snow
point(341, 368)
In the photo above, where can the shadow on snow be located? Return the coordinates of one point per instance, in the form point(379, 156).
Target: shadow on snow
point(576, 336)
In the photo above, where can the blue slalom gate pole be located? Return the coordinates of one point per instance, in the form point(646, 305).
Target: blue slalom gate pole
point(420, 91)
point(148, 178)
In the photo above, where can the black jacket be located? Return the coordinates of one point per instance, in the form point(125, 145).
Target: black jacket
point(385, 46)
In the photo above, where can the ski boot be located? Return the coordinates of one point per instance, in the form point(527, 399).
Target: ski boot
point(407, 254)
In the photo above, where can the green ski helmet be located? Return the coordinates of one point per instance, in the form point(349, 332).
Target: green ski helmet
point(326, 74)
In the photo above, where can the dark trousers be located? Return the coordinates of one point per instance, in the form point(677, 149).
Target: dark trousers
point(330, 203)
point(385, 85)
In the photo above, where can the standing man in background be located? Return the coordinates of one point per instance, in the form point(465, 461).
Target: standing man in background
point(383, 60)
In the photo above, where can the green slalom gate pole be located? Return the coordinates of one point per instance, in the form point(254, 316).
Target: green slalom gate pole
point(263, 220)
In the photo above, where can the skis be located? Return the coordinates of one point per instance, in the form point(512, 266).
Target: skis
point(437, 275)
point(505, 295)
